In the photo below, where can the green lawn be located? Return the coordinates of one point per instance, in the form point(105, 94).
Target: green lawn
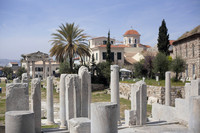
point(155, 83)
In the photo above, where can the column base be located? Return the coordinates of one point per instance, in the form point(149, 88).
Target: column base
point(50, 123)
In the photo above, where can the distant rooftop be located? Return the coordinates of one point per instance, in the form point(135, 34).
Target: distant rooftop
point(189, 33)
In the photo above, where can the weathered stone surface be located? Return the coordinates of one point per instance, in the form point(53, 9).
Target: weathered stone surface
point(130, 117)
point(85, 90)
point(182, 110)
point(36, 103)
point(79, 125)
point(50, 110)
point(24, 78)
point(168, 88)
point(73, 99)
point(17, 97)
point(163, 112)
point(152, 100)
point(62, 101)
point(16, 80)
point(114, 86)
point(194, 116)
point(19, 122)
point(104, 117)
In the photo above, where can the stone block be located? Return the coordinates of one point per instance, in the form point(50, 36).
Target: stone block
point(182, 110)
point(19, 122)
point(17, 97)
point(152, 100)
point(130, 117)
point(79, 125)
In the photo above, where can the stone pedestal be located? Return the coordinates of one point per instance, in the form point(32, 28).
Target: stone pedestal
point(62, 101)
point(130, 117)
point(194, 119)
point(19, 122)
point(167, 88)
point(104, 117)
point(17, 97)
point(79, 125)
point(85, 90)
point(50, 111)
point(36, 103)
point(115, 87)
point(73, 97)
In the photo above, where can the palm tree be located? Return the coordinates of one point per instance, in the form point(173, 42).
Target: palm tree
point(69, 42)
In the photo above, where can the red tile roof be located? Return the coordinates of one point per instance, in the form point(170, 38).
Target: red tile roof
point(114, 46)
point(13, 63)
point(171, 42)
point(131, 32)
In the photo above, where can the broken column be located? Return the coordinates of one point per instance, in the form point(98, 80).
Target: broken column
point(17, 97)
point(115, 87)
point(194, 116)
point(50, 111)
point(167, 88)
point(79, 125)
point(139, 101)
point(104, 117)
point(19, 122)
point(36, 103)
point(62, 101)
point(73, 99)
point(130, 117)
point(16, 80)
point(85, 90)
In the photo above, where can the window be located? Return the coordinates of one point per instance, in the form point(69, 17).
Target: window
point(134, 45)
point(104, 42)
point(186, 52)
point(129, 40)
point(193, 69)
point(119, 55)
point(186, 70)
point(193, 50)
point(111, 42)
point(135, 41)
point(96, 56)
point(104, 55)
point(112, 56)
point(180, 51)
point(176, 51)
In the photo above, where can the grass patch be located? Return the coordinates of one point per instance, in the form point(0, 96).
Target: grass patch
point(50, 126)
point(155, 83)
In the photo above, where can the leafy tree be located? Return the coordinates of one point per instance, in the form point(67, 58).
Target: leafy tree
point(139, 69)
point(148, 65)
point(20, 71)
point(108, 56)
point(163, 39)
point(68, 42)
point(103, 73)
point(65, 67)
point(8, 72)
point(161, 64)
point(178, 65)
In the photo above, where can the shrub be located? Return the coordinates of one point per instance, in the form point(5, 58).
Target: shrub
point(20, 71)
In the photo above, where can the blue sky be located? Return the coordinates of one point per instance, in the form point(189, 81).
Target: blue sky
point(26, 25)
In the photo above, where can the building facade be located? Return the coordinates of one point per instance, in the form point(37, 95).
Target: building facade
point(188, 48)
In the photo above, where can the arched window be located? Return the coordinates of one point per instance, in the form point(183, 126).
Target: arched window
point(193, 50)
point(186, 52)
point(176, 51)
point(180, 51)
point(129, 40)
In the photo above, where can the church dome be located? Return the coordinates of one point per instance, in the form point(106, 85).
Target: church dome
point(131, 32)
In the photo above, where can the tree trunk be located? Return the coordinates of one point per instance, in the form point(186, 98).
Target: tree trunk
point(71, 64)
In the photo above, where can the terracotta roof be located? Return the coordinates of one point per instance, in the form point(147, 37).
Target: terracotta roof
point(171, 42)
point(147, 46)
point(13, 63)
point(114, 46)
point(131, 32)
point(77, 58)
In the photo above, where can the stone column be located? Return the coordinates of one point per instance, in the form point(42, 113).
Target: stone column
point(62, 101)
point(85, 87)
point(79, 125)
point(104, 117)
point(115, 87)
point(73, 98)
point(33, 69)
point(28, 69)
point(44, 65)
point(50, 111)
point(168, 88)
point(194, 116)
point(50, 73)
point(19, 122)
point(143, 104)
point(36, 103)
point(17, 97)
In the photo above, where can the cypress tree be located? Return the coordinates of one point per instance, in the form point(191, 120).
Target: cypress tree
point(108, 54)
point(163, 39)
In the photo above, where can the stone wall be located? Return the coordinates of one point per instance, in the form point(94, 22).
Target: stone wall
point(156, 92)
